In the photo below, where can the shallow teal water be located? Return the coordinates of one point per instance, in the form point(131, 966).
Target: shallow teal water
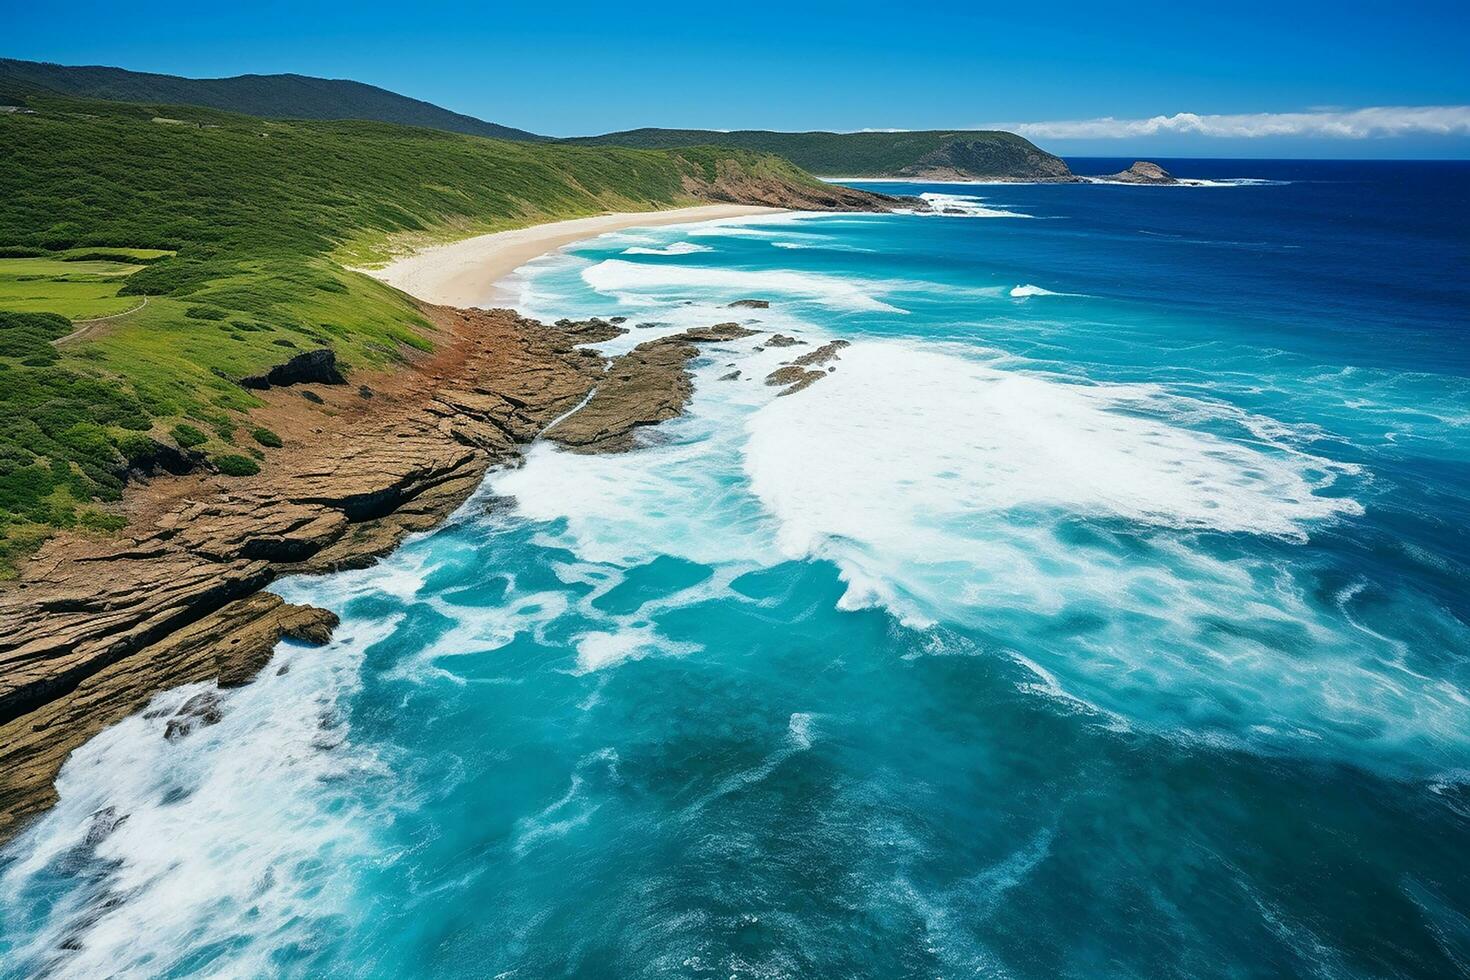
point(1114, 626)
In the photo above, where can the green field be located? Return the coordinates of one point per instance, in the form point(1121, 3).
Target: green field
point(237, 231)
point(78, 290)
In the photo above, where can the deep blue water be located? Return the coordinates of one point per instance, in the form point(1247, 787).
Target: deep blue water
point(1104, 613)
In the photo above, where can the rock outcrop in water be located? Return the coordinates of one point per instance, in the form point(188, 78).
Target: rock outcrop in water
point(93, 628)
point(803, 372)
point(647, 385)
point(1142, 172)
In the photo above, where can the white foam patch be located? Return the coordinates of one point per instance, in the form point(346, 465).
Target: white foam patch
point(596, 650)
point(621, 278)
point(1026, 290)
point(1194, 182)
point(947, 490)
point(674, 248)
point(966, 206)
point(683, 497)
point(901, 428)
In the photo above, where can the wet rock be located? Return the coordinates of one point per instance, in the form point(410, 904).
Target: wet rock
point(718, 332)
point(311, 367)
point(103, 823)
point(750, 304)
point(649, 384)
point(823, 354)
point(500, 504)
point(732, 376)
point(794, 378)
point(781, 340)
point(200, 711)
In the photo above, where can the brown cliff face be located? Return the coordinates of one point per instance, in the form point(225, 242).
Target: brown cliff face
point(92, 629)
point(733, 185)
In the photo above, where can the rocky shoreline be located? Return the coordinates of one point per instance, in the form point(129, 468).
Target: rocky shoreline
point(94, 628)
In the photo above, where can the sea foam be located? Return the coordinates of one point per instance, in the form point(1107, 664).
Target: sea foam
point(618, 277)
point(675, 248)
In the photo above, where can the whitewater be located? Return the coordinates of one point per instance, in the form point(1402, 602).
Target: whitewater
point(1101, 611)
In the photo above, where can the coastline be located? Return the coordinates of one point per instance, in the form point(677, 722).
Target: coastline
point(469, 273)
point(95, 627)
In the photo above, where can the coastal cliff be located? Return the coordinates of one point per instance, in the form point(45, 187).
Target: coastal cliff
point(93, 628)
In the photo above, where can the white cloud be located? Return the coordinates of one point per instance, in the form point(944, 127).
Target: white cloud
point(1374, 121)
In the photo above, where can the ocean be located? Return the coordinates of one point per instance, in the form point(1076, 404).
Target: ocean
point(1104, 613)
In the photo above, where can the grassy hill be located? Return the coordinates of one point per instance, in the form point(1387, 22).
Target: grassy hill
point(937, 154)
point(223, 241)
point(270, 96)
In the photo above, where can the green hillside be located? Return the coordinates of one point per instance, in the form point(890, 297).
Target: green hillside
point(236, 231)
point(966, 153)
point(270, 96)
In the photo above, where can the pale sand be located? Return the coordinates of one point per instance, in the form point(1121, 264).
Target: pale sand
point(470, 272)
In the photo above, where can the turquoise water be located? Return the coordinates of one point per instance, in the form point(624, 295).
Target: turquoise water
point(1102, 614)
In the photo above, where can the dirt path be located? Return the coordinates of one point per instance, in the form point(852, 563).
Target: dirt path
point(86, 328)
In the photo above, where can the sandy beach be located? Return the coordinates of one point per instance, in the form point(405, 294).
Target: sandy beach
point(468, 273)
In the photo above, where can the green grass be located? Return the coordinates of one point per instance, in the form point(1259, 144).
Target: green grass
point(76, 289)
point(62, 268)
point(238, 232)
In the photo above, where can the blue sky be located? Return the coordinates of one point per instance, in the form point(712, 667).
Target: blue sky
point(572, 68)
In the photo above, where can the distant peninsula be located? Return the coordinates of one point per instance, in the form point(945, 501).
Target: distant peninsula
point(941, 155)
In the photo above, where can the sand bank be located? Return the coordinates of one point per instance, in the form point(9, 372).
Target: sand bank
point(468, 273)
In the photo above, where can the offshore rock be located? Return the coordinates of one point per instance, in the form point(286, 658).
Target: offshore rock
point(1142, 172)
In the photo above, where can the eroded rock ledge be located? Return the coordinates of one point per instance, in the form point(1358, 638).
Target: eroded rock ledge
point(93, 629)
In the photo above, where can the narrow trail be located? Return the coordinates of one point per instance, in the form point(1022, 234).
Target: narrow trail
point(86, 328)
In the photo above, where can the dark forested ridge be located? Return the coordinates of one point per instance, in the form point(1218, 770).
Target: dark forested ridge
point(271, 96)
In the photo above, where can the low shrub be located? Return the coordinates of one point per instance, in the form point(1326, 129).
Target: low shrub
point(266, 437)
point(187, 436)
point(233, 464)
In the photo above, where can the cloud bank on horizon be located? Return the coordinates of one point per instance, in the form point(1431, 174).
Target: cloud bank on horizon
point(1366, 123)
